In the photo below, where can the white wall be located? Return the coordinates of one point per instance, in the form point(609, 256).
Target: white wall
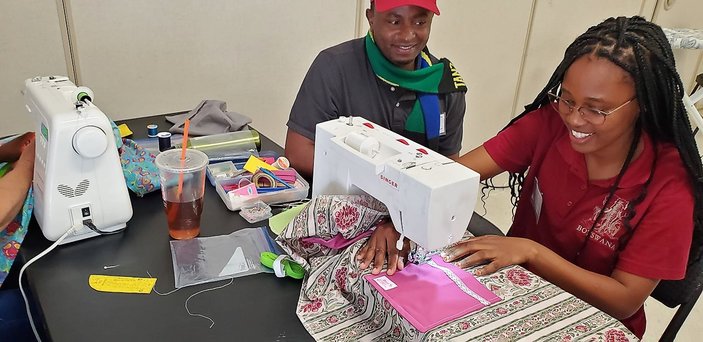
point(159, 56)
point(30, 45)
point(555, 25)
point(485, 41)
point(151, 57)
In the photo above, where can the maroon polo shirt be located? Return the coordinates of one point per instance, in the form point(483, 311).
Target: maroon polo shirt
point(663, 223)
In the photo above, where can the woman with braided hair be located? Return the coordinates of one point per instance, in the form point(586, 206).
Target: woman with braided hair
point(606, 173)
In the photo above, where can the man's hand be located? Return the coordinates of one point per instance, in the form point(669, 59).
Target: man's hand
point(381, 244)
point(494, 251)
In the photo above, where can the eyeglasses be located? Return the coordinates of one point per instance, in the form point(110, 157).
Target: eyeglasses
point(592, 115)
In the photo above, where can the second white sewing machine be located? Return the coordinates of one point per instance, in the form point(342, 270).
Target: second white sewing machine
point(430, 197)
point(78, 181)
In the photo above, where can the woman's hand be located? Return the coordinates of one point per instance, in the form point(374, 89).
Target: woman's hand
point(381, 243)
point(14, 184)
point(12, 150)
point(494, 251)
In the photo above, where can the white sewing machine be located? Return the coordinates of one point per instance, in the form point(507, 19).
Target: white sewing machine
point(77, 171)
point(430, 197)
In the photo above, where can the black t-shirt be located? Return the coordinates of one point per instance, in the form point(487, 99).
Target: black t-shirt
point(341, 82)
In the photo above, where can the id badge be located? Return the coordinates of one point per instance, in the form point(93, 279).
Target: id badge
point(537, 200)
point(442, 126)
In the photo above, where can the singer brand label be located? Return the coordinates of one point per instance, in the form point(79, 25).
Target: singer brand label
point(389, 181)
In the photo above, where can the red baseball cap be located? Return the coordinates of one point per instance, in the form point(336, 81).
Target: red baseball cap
point(385, 5)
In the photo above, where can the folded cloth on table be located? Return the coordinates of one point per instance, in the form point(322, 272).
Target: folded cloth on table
point(338, 241)
point(207, 118)
point(336, 302)
point(326, 217)
point(452, 291)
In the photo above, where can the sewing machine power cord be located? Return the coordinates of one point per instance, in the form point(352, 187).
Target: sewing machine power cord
point(31, 261)
point(89, 223)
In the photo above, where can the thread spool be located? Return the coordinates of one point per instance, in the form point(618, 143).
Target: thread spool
point(363, 143)
point(281, 163)
point(164, 141)
point(152, 130)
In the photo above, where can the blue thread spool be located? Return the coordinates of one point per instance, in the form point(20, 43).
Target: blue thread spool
point(152, 130)
point(164, 141)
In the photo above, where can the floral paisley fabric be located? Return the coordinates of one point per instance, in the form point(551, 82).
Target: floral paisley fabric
point(12, 236)
point(337, 304)
point(138, 167)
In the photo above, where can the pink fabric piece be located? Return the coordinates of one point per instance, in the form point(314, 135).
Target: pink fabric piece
point(418, 285)
point(338, 241)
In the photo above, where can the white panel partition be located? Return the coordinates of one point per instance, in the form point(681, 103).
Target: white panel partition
point(554, 26)
point(30, 45)
point(150, 57)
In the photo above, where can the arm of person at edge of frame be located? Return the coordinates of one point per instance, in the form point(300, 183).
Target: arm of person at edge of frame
point(620, 295)
point(300, 151)
point(16, 182)
point(382, 243)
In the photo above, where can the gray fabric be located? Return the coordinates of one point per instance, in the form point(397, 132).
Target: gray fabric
point(209, 117)
point(340, 82)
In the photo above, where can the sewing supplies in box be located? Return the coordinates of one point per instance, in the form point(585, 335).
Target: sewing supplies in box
point(260, 179)
point(255, 212)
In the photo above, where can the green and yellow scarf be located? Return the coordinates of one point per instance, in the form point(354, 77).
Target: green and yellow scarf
point(427, 80)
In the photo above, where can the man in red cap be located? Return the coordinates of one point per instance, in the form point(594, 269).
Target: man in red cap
point(388, 77)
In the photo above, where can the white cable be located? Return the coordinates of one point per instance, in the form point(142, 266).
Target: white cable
point(26, 302)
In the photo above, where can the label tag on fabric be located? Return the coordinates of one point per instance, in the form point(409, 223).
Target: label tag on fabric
point(442, 124)
point(105, 283)
point(385, 283)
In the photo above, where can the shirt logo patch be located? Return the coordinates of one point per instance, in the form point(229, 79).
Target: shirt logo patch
point(607, 229)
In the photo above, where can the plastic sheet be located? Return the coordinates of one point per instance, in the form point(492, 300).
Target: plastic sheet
point(203, 260)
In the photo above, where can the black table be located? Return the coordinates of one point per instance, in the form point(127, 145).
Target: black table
point(259, 307)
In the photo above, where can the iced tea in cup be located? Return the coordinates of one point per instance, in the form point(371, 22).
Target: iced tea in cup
point(182, 189)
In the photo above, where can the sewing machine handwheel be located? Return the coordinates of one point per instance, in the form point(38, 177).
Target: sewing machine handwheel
point(90, 142)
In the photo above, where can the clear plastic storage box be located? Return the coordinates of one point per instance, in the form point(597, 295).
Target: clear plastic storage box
point(236, 202)
point(222, 170)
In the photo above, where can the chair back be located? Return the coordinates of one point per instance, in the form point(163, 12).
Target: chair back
point(677, 292)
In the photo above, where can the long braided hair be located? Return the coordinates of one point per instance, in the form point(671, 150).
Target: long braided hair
point(640, 48)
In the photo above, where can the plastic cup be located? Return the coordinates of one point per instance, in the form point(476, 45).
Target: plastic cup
point(182, 189)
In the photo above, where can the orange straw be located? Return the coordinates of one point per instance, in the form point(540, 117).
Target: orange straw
point(183, 156)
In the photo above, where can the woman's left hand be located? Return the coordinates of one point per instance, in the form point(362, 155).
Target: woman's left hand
point(494, 251)
point(12, 150)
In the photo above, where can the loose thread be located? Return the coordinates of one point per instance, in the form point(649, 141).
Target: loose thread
point(159, 293)
point(212, 323)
